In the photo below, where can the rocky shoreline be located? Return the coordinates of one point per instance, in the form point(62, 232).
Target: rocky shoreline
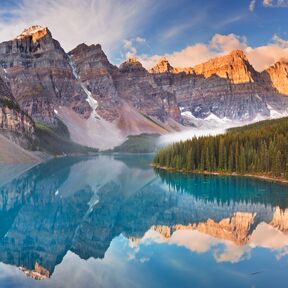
point(258, 176)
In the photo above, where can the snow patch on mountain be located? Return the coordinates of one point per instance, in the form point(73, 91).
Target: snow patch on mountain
point(94, 132)
point(91, 101)
point(5, 74)
point(209, 126)
point(274, 114)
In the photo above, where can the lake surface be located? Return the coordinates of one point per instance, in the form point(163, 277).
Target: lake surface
point(112, 221)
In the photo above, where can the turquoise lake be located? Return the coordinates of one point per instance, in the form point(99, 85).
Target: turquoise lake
point(113, 221)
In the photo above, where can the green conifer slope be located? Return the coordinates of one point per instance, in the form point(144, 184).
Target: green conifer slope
point(260, 149)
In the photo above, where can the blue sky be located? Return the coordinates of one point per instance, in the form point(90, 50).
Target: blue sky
point(150, 29)
point(199, 20)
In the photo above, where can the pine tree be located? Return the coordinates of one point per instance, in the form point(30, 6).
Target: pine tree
point(276, 168)
point(189, 165)
point(230, 160)
point(221, 155)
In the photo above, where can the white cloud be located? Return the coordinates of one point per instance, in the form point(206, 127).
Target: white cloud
point(200, 52)
point(264, 56)
point(275, 3)
point(174, 31)
point(179, 27)
point(279, 41)
point(200, 242)
point(252, 5)
point(130, 49)
point(260, 57)
point(129, 46)
point(191, 55)
point(225, 43)
point(264, 236)
point(75, 21)
point(269, 4)
point(228, 21)
point(140, 39)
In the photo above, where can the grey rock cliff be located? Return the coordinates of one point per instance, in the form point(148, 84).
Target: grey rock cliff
point(40, 76)
point(14, 123)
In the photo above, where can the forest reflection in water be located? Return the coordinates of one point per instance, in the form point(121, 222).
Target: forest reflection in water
point(115, 215)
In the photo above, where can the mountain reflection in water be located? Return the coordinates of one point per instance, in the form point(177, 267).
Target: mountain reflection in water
point(136, 225)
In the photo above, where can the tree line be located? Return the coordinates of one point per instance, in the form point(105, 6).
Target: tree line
point(260, 148)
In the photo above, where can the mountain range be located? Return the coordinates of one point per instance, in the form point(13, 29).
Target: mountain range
point(99, 104)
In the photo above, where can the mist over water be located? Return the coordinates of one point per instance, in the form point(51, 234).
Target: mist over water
point(211, 126)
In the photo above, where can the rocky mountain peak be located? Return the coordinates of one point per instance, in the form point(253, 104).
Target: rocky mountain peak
point(278, 74)
point(40, 75)
point(234, 67)
point(283, 61)
point(95, 52)
point(80, 47)
point(36, 32)
point(132, 60)
point(238, 54)
point(97, 47)
point(163, 66)
point(281, 64)
point(132, 65)
point(94, 57)
point(83, 47)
